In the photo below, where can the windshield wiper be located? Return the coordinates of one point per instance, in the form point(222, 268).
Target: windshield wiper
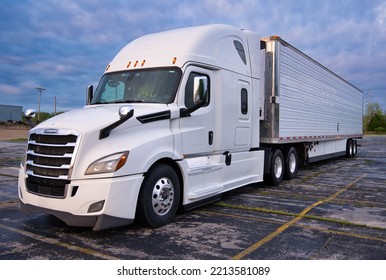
point(129, 101)
point(99, 102)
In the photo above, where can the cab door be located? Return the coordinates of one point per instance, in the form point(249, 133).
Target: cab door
point(197, 121)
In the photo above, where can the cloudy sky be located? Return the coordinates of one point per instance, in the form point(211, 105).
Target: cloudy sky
point(65, 45)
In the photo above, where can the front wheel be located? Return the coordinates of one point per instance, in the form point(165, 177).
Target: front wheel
point(159, 196)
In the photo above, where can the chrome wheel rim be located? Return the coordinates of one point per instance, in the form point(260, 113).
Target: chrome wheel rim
point(292, 163)
point(163, 196)
point(278, 167)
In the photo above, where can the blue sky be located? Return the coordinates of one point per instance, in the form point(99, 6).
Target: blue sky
point(65, 45)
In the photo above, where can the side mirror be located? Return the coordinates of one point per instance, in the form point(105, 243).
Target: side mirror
point(200, 89)
point(200, 95)
point(90, 94)
point(29, 114)
point(124, 111)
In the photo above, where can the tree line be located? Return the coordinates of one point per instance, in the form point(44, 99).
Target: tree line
point(374, 120)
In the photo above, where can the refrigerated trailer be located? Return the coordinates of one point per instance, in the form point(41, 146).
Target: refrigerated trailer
point(182, 116)
point(309, 113)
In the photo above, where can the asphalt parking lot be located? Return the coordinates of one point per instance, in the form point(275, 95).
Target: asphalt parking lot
point(332, 210)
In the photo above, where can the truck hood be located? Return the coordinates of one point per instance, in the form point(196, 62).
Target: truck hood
point(96, 117)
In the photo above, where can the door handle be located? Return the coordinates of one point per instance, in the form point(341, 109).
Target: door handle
point(210, 137)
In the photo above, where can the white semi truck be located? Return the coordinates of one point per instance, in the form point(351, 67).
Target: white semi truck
point(182, 116)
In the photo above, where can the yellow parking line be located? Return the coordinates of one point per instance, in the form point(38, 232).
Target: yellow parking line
point(282, 228)
point(53, 241)
point(301, 196)
point(8, 203)
point(8, 175)
point(240, 217)
point(292, 214)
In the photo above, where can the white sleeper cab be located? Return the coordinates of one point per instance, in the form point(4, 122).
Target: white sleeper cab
point(182, 116)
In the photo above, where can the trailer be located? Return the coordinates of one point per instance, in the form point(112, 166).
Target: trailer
point(180, 117)
point(308, 112)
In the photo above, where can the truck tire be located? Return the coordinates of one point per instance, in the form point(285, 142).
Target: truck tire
point(277, 168)
point(349, 148)
point(355, 147)
point(158, 199)
point(291, 164)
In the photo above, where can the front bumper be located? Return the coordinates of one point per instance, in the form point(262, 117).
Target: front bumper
point(96, 222)
point(117, 195)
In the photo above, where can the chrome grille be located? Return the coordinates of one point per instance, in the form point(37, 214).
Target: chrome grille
point(48, 162)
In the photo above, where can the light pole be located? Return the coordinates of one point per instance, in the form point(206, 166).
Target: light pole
point(39, 89)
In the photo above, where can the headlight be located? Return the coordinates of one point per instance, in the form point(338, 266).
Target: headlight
point(107, 164)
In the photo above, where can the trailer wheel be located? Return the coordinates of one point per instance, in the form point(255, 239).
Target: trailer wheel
point(159, 196)
point(355, 147)
point(291, 164)
point(349, 148)
point(277, 168)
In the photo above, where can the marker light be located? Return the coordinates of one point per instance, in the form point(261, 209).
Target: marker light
point(128, 64)
point(107, 164)
point(135, 64)
point(174, 60)
point(143, 62)
point(107, 68)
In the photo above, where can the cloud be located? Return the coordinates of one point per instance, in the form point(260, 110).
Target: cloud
point(381, 15)
point(64, 45)
point(9, 89)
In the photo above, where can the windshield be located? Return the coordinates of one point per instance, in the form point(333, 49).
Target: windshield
point(149, 86)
